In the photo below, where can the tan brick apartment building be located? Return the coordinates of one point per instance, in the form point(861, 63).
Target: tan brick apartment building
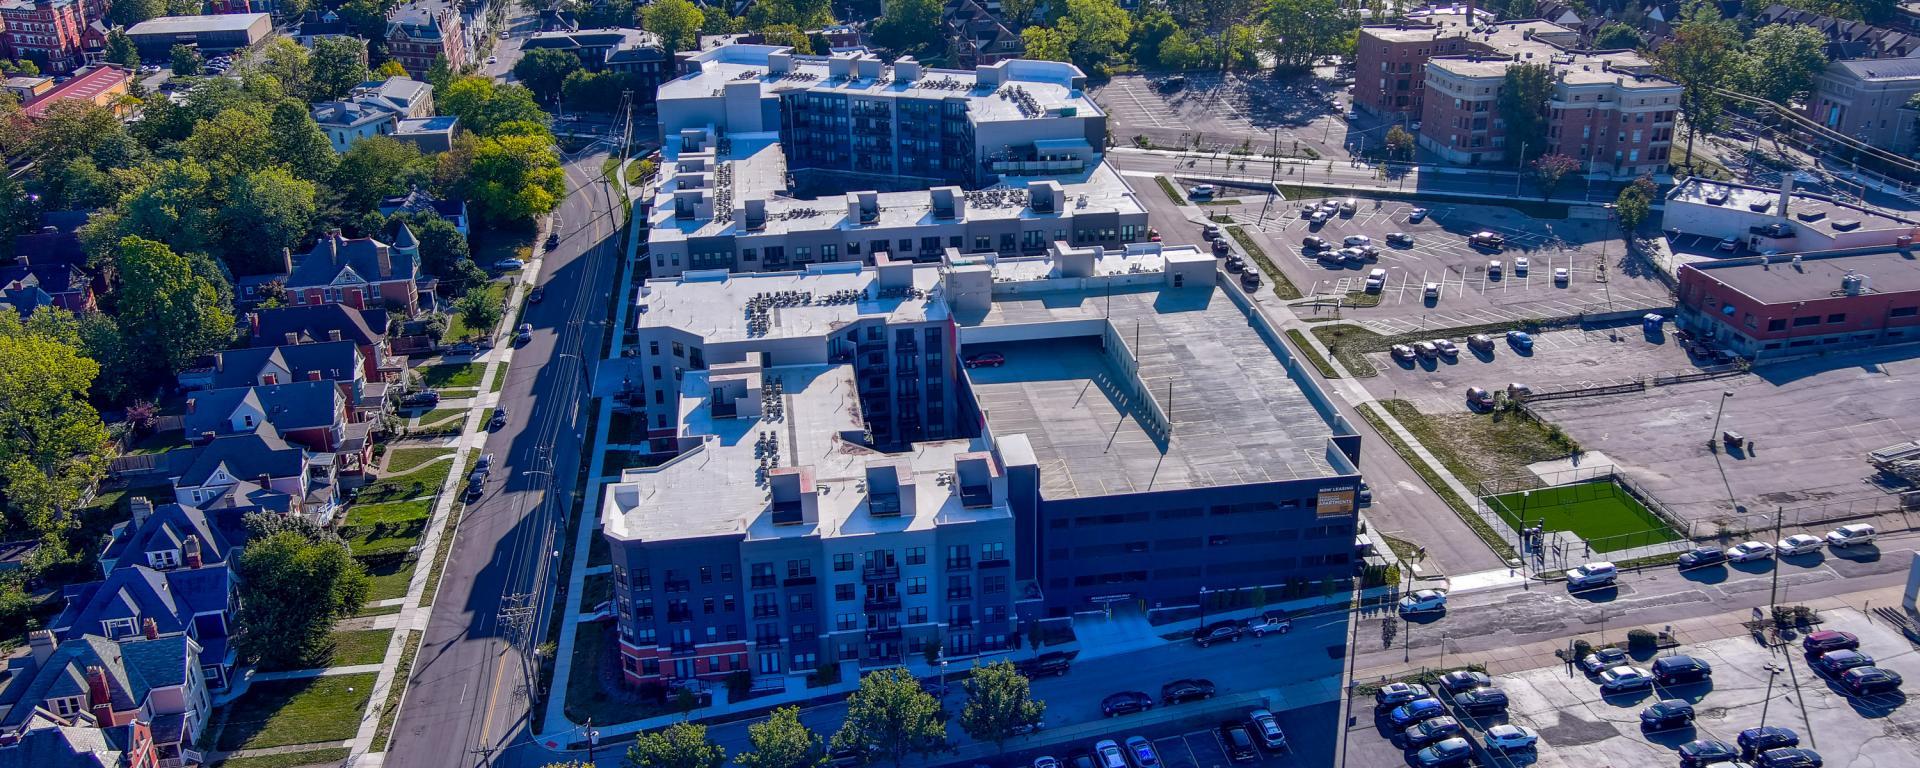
point(1609, 111)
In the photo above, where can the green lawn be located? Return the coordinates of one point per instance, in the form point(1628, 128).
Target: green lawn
point(1600, 512)
point(385, 610)
point(328, 756)
point(457, 325)
point(420, 483)
point(390, 578)
point(365, 646)
point(403, 460)
point(391, 710)
point(282, 712)
point(434, 417)
point(452, 375)
point(366, 515)
point(374, 529)
point(499, 378)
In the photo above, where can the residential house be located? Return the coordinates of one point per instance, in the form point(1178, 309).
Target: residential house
point(57, 241)
point(317, 24)
point(431, 135)
point(192, 597)
point(633, 52)
point(79, 742)
point(418, 36)
point(977, 36)
point(27, 287)
point(367, 329)
point(337, 361)
point(417, 201)
point(149, 678)
point(93, 42)
point(103, 86)
point(156, 536)
point(362, 273)
point(46, 32)
point(310, 413)
point(1847, 39)
point(374, 108)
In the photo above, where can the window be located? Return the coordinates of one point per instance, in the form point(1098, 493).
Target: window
point(66, 707)
point(726, 572)
point(706, 606)
point(992, 552)
point(765, 606)
point(1837, 317)
point(118, 628)
point(799, 568)
point(846, 621)
point(917, 585)
point(1801, 322)
point(843, 592)
point(916, 555)
point(1777, 324)
point(843, 562)
point(800, 602)
point(917, 615)
point(1904, 312)
point(706, 574)
point(958, 557)
point(164, 559)
point(762, 575)
point(993, 584)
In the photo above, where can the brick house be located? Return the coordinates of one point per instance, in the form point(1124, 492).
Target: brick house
point(415, 37)
point(362, 273)
point(92, 681)
point(366, 328)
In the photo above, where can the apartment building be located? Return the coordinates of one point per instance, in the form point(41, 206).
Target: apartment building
point(1868, 100)
point(774, 161)
point(46, 32)
point(836, 484)
point(417, 36)
point(1608, 109)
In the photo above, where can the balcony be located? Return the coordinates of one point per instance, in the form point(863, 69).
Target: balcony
point(800, 581)
point(963, 622)
point(883, 602)
point(1000, 562)
point(680, 648)
point(880, 573)
point(960, 594)
point(959, 563)
point(878, 634)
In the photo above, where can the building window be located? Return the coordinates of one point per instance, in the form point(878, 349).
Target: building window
point(917, 585)
point(843, 562)
point(993, 552)
point(1837, 317)
point(164, 559)
point(916, 555)
point(706, 574)
point(799, 569)
point(843, 592)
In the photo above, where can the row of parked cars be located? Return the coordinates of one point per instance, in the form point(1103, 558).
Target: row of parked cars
point(1217, 240)
point(1238, 736)
point(1833, 654)
point(1425, 726)
point(1845, 536)
point(1273, 622)
point(1479, 342)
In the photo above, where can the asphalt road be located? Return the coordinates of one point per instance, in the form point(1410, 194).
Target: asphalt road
point(466, 702)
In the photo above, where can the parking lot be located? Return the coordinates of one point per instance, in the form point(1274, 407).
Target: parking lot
point(1809, 423)
point(1195, 742)
point(1751, 685)
point(1562, 358)
point(1468, 293)
point(1224, 110)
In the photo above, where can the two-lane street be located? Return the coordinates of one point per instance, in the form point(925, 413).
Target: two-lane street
point(466, 701)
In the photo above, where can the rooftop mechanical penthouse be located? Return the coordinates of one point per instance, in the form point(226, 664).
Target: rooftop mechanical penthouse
point(773, 161)
point(859, 461)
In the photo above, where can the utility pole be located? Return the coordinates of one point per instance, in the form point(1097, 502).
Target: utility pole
point(1518, 162)
point(1773, 599)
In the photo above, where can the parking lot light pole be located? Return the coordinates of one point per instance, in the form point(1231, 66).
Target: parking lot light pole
point(1725, 394)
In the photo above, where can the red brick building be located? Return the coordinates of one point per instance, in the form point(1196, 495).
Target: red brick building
point(361, 273)
point(46, 32)
point(1761, 307)
point(416, 37)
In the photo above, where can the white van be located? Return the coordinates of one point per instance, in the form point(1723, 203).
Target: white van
point(1376, 280)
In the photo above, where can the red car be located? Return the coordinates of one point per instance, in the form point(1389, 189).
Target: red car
point(987, 360)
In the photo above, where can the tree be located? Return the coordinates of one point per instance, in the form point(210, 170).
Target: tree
point(677, 22)
point(298, 143)
point(513, 178)
point(1044, 44)
point(442, 248)
point(231, 144)
point(171, 203)
point(292, 590)
point(782, 741)
point(339, 64)
point(1615, 36)
point(1301, 32)
point(1523, 105)
point(390, 69)
point(789, 35)
point(999, 704)
point(479, 310)
point(19, 68)
point(1781, 61)
point(909, 27)
point(545, 69)
point(681, 745)
point(890, 716)
point(170, 306)
point(53, 447)
point(268, 210)
point(1701, 58)
point(483, 107)
point(1096, 31)
point(1399, 142)
point(1548, 170)
point(126, 13)
point(291, 64)
point(120, 50)
point(440, 73)
point(376, 167)
point(1635, 203)
point(186, 60)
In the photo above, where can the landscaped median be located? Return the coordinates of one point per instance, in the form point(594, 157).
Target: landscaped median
point(1312, 354)
point(1282, 287)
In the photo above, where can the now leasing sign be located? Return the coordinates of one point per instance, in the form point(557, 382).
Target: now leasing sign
point(1335, 502)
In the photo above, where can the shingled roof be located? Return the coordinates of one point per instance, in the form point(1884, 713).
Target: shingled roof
point(337, 260)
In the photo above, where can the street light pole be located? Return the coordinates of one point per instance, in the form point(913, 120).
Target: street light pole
point(1715, 435)
point(1203, 607)
point(1517, 163)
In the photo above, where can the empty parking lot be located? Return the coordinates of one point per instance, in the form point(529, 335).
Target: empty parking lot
point(1581, 357)
point(1225, 110)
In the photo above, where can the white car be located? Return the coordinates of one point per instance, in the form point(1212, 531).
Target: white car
point(1625, 678)
point(1520, 265)
point(1108, 754)
point(1267, 729)
point(1045, 761)
point(1507, 737)
point(1799, 544)
point(1423, 601)
point(1493, 269)
point(1749, 550)
point(1202, 190)
point(1560, 275)
point(1431, 291)
point(1592, 575)
point(1850, 535)
point(493, 59)
point(1358, 240)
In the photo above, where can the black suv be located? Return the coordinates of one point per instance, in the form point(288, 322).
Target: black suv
point(1702, 557)
point(1049, 663)
point(1679, 670)
point(1481, 700)
point(1219, 631)
point(1239, 743)
point(1753, 741)
point(1180, 691)
point(1670, 713)
point(1126, 703)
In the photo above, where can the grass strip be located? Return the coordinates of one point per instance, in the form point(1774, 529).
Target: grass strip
point(440, 555)
point(1464, 511)
point(1282, 287)
point(390, 711)
point(378, 610)
point(403, 460)
point(1173, 193)
point(1311, 354)
point(364, 646)
point(280, 713)
point(328, 756)
point(452, 376)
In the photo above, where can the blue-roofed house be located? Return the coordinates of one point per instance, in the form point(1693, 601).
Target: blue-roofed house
point(417, 201)
point(79, 742)
point(156, 536)
point(340, 362)
point(196, 599)
point(152, 678)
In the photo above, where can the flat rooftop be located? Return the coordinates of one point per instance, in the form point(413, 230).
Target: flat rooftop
point(1816, 276)
point(173, 25)
point(714, 306)
point(1809, 211)
point(1237, 416)
point(1529, 41)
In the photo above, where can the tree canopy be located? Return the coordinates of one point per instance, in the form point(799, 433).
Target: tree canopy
point(293, 589)
point(680, 745)
point(677, 22)
point(892, 717)
point(909, 27)
point(53, 447)
point(175, 307)
point(999, 704)
point(782, 741)
point(1780, 62)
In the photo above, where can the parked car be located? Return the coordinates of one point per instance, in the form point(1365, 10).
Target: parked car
point(1455, 751)
point(1395, 694)
point(1405, 715)
point(1463, 680)
point(1416, 215)
point(1315, 243)
point(1701, 557)
point(1271, 622)
point(1508, 737)
point(1376, 280)
point(1598, 574)
point(1109, 755)
point(485, 462)
point(499, 419)
point(1480, 341)
point(1153, 235)
point(1520, 265)
point(849, 757)
point(1479, 398)
point(1489, 240)
point(1747, 551)
point(1081, 759)
point(1185, 690)
point(1210, 232)
point(1494, 269)
point(1250, 280)
point(1141, 754)
point(1482, 700)
point(1851, 535)
point(1126, 702)
point(1729, 245)
point(523, 334)
point(462, 348)
point(1202, 190)
point(425, 398)
point(1788, 758)
point(1424, 601)
point(1827, 640)
point(1624, 678)
point(1266, 728)
point(537, 295)
point(1866, 681)
point(1049, 663)
point(1351, 255)
point(1219, 631)
point(1799, 544)
point(1399, 238)
point(1239, 743)
point(473, 493)
point(1560, 275)
point(509, 264)
point(1236, 265)
point(1402, 352)
point(1836, 663)
point(1429, 731)
point(1318, 216)
point(1426, 349)
point(1704, 752)
point(1753, 741)
point(1432, 291)
point(1349, 206)
point(1220, 248)
point(1602, 659)
point(1446, 347)
point(1520, 340)
point(1046, 761)
point(1666, 714)
point(1680, 669)
point(1357, 240)
point(986, 360)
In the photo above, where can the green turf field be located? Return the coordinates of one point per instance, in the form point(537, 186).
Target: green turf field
point(1600, 512)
